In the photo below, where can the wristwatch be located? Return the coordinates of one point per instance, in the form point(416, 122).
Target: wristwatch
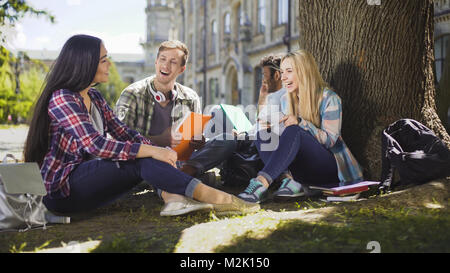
point(299, 119)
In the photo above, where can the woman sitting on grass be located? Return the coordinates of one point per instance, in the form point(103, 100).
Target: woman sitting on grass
point(311, 146)
point(81, 167)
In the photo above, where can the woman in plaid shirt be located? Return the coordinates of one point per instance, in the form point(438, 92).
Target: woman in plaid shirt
point(82, 167)
point(311, 146)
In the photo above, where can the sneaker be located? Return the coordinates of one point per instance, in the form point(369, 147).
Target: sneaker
point(236, 207)
point(184, 206)
point(255, 192)
point(290, 189)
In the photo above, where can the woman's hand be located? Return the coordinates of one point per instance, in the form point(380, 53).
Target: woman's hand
point(166, 155)
point(162, 154)
point(289, 120)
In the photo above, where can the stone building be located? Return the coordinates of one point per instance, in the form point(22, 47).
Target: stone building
point(441, 33)
point(227, 40)
point(441, 42)
point(162, 24)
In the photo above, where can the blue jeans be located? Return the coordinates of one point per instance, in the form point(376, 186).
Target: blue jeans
point(299, 152)
point(98, 182)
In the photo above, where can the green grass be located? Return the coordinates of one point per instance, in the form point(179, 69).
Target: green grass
point(417, 220)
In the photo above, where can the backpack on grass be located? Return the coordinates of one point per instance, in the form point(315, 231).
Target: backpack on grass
point(21, 193)
point(243, 165)
point(415, 152)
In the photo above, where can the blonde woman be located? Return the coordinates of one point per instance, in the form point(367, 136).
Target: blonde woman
point(311, 146)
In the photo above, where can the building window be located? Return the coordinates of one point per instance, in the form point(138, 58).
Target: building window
point(200, 88)
point(440, 48)
point(191, 46)
point(227, 24)
point(213, 37)
point(258, 82)
point(200, 43)
point(241, 16)
point(213, 96)
point(261, 16)
point(238, 21)
point(283, 12)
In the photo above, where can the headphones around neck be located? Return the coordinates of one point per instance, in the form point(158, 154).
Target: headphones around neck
point(159, 96)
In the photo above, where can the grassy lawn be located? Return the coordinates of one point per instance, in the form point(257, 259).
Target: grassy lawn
point(414, 220)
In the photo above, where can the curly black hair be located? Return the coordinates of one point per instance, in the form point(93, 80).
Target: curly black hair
point(273, 62)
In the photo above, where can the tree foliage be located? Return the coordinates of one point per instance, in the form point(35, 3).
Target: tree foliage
point(17, 106)
point(13, 10)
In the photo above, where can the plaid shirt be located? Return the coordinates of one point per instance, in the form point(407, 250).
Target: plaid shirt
point(136, 104)
point(74, 139)
point(329, 135)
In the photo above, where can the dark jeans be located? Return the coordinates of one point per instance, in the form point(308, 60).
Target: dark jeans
point(98, 182)
point(215, 151)
point(299, 152)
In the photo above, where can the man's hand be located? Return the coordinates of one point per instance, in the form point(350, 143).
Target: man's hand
point(197, 143)
point(167, 139)
point(263, 92)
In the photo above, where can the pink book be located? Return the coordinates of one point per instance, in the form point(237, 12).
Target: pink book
point(349, 189)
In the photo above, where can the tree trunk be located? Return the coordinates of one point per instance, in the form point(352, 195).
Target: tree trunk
point(379, 59)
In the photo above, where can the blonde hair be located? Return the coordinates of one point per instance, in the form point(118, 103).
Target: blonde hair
point(306, 101)
point(175, 44)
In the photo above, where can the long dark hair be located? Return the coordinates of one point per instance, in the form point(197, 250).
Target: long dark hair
point(74, 69)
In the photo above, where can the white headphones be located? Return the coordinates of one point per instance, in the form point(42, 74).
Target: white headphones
point(159, 96)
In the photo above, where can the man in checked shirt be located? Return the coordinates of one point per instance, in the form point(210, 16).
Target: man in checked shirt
point(151, 106)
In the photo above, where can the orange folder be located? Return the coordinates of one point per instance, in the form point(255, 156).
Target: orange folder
point(191, 125)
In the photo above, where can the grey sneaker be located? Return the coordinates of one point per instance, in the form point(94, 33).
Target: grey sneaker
point(290, 189)
point(255, 192)
point(236, 207)
point(184, 206)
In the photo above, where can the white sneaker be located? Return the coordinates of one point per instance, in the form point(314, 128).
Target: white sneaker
point(184, 206)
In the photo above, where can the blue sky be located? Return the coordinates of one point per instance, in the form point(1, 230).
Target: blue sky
point(120, 24)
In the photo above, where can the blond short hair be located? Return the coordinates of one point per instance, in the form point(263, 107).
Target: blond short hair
point(175, 44)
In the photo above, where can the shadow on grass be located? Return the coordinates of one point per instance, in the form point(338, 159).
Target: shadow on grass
point(396, 230)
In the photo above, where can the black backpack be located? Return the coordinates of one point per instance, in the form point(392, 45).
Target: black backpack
point(415, 152)
point(243, 165)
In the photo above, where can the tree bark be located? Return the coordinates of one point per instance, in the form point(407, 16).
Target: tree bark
point(379, 59)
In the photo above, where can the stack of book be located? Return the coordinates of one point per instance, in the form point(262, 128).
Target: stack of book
point(346, 193)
